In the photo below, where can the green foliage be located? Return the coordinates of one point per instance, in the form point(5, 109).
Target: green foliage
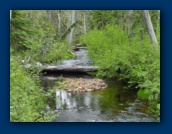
point(133, 59)
point(143, 94)
point(21, 31)
point(27, 104)
point(100, 18)
point(37, 38)
point(69, 29)
point(58, 52)
point(124, 51)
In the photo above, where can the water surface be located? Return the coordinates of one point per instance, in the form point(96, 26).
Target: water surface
point(115, 104)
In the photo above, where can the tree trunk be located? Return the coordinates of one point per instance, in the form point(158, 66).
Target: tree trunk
point(73, 21)
point(158, 14)
point(120, 17)
point(127, 19)
point(10, 14)
point(130, 22)
point(85, 27)
point(150, 26)
point(50, 16)
point(59, 24)
point(68, 24)
point(30, 13)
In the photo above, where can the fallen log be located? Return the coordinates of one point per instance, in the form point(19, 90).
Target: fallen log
point(63, 68)
point(77, 48)
point(71, 69)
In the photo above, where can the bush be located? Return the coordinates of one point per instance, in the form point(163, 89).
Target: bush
point(135, 60)
point(27, 104)
point(58, 52)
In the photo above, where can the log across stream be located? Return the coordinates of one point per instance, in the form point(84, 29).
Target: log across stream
point(79, 64)
point(113, 103)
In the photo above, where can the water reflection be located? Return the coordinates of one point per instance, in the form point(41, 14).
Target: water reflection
point(113, 104)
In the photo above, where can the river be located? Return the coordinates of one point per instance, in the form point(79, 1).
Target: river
point(114, 104)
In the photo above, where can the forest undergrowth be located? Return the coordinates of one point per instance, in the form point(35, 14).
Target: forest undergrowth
point(135, 60)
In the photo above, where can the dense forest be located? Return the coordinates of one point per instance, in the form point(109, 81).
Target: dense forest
point(123, 43)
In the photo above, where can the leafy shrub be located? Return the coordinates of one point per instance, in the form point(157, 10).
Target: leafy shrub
point(27, 104)
point(58, 52)
point(133, 59)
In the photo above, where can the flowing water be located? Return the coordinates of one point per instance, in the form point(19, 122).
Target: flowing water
point(115, 104)
point(81, 60)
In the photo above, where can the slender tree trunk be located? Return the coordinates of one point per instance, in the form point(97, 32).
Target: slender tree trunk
point(158, 20)
point(30, 14)
point(68, 24)
point(10, 14)
point(150, 26)
point(158, 14)
point(59, 24)
point(130, 22)
point(50, 16)
point(120, 17)
point(73, 21)
point(126, 19)
point(85, 27)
